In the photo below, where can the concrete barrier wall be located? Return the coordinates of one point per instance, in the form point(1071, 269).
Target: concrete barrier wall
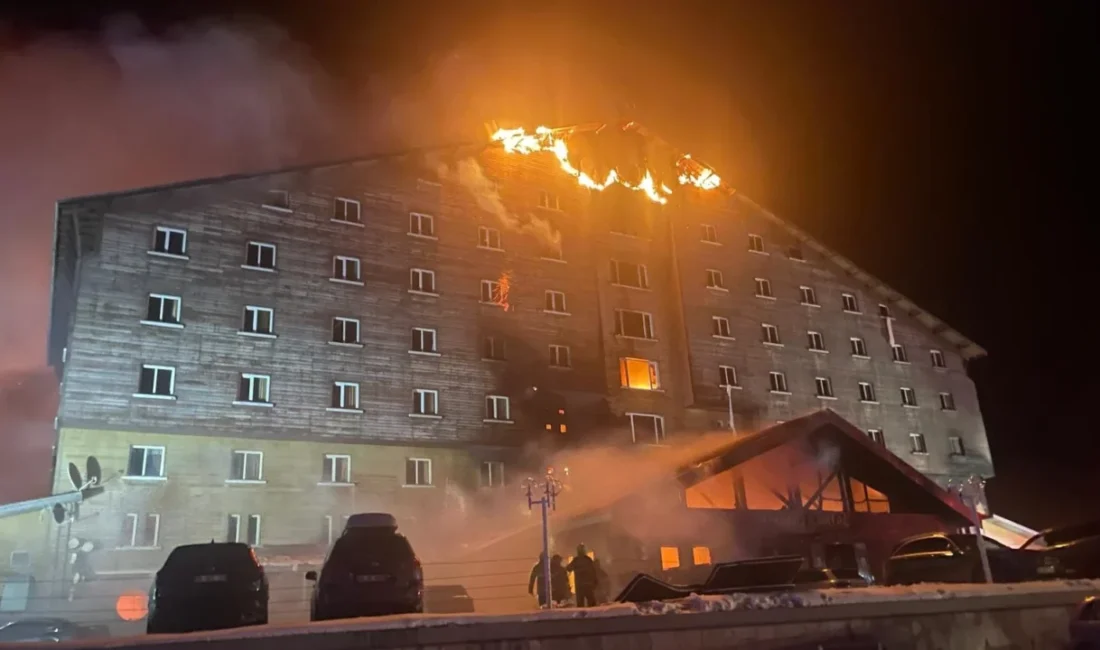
point(1021, 619)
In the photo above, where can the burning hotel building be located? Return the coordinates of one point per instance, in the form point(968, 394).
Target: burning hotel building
point(254, 358)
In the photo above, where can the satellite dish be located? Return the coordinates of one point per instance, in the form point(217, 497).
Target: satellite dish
point(74, 476)
point(95, 472)
point(87, 547)
point(59, 513)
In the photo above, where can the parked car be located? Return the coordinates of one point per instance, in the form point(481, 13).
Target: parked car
point(48, 630)
point(829, 579)
point(954, 557)
point(1084, 627)
point(370, 571)
point(448, 599)
point(208, 587)
point(1068, 551)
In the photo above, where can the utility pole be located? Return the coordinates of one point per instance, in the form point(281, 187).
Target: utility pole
point(550, 488)
point(970, 492)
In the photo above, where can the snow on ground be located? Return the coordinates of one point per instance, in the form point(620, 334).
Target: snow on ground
point(689, 605)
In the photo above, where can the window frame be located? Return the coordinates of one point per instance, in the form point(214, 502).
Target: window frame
point(168, 232)
point(845, 297)
point(338, 388)
point(163, 298)
point(157, 369)
point(342, 262)
point(710, 234)
point(659, 432)
point(780, 387)
point(857, 345)
point(416, 274)
point(245, 454)
point(939, 359)
point(723, 371)
point(492, 288)
point(417, 341)
point(254, 541)
point(956, 447)
point(484, 238)
point(717, 324)
point(260, 246)
point(341, 216)
point(252, 378)
point(766, 332)
point(947, 401)
point(756, 244)
point(494, 348)
point(283, 205)
point(918, 445)
point(899, 353)
point(806, 291)
point(419, 395)
point(494, 469)
point(550, 303)
point(641, 275)
point(647, 325)
point(492, 408)
point(715, 280)
point(816, 341)
point(556, 350)
point(145, 461)
point(427, 463)
point(234, 520)
point(132, 520)
point(823, 388)
point(764, 289)
point(420, 218)
point(251, 319)
point(800, 257)
point(344, 320)
point(868, 396)
point(908, 397)
point(654, 374)
point(333, 476)
point(877, 436)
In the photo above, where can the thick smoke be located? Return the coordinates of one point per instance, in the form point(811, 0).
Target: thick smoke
point(468, 173)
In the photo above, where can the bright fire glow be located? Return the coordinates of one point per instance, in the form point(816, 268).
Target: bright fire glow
point(518, 141)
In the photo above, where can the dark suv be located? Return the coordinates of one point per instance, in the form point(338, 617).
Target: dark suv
point(370, 571)
point(955, 557)
point(208, 587)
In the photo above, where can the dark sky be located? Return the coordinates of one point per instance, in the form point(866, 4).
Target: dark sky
point(943, 146)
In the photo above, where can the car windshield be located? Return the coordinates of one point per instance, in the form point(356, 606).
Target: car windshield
point(968, 542)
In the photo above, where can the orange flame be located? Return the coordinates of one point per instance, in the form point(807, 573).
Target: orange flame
point(546, 139)
point(505, 283)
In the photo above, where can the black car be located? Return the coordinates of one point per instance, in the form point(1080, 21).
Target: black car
point(1084, 627)
point(48, 630)
point(829, 579)
point(1068, 551)
point(955, 557)
point(370, 571)
point(211, 586)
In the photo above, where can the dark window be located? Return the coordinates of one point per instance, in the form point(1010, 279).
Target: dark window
point(260, 256)
point(629, 275)
point(635, 324)
point(171, 241)
point(157, 380)
point(795, 253)
point(346, 210)
point(277, 199)
point(493, 348)
point(163, 309)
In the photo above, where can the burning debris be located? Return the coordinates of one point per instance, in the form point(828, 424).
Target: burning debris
point(648, 180)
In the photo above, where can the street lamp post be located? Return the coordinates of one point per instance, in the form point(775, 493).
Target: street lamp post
point(970, 492)
point(550, 488)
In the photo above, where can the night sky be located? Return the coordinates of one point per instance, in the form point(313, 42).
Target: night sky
point(942, 146)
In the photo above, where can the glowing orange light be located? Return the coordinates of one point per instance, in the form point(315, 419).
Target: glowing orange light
point(132, 606)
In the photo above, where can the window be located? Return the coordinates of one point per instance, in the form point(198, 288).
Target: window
point(422, 281)
point(258, 320)
point(867, 392)
point(418, 471)
point(549, 200)
point(346, 210)
point(647, 428)
point(170, 241)
point(559, 356)
point(720, 327)
point(425, 402)
point(255, 389)
point(555, 302)
point(145, 461)
point(850, 303)
point(938, 360)
point(795, 253)
point(884, 310)
point(763, 288)
point(491, 292)
point(421, 225)
point(345, 331)
point(497, 408)
point(253, 538)
point(553, 250)
point(162, 309)
point(140, 531)
point(714, 280)
point(947, 402)
point(336, 469)
point(492, 473)
point(727, 377)
point(756, 243)
point(876, 436)
point(859, 348)
point(777, 382)
point(346, 269)
point(917, 444)
point(700, 555)
point(626, 274)
point(908, 397)
point(639, 374)
point(423, 340)
point(710, 234)
point(488, 238)
point(246, 466)
point(956, 445)
point(900, 355)
point(824, 387)
point(158, 381)
point(817, 341)
point(345, 395)
point(808, 296)
point(233, 533)
point(670, 558)
point(634, 324)
point(278, 199)
point(493, 348)
point(770, 334)
point(326, 530)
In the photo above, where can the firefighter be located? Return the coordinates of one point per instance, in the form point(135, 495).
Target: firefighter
point(584, 577)
point(559, 581)
point(537, 583)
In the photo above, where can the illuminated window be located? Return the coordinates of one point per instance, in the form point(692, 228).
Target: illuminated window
point(824, 387)
point(770, 334)
point(710, 234)
point(700, 555)
point(900, 355)
point(866, 392)
point(817, 342)
point(938, 360)
point(756, 243)
point(627, 274)
point(421, 225)
point(908, 397)
point(947, 402)
point(639, 373)
point(777, 382)
point(345, 210)
point(488, 238)
point(670, 557)
point(808, 296)
point(720, 327)
point(851, 305)
point(491, 292)
point(917, 444)
point(763, 288)
point(647, 428)
point(859, 348)
point(714, 280)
